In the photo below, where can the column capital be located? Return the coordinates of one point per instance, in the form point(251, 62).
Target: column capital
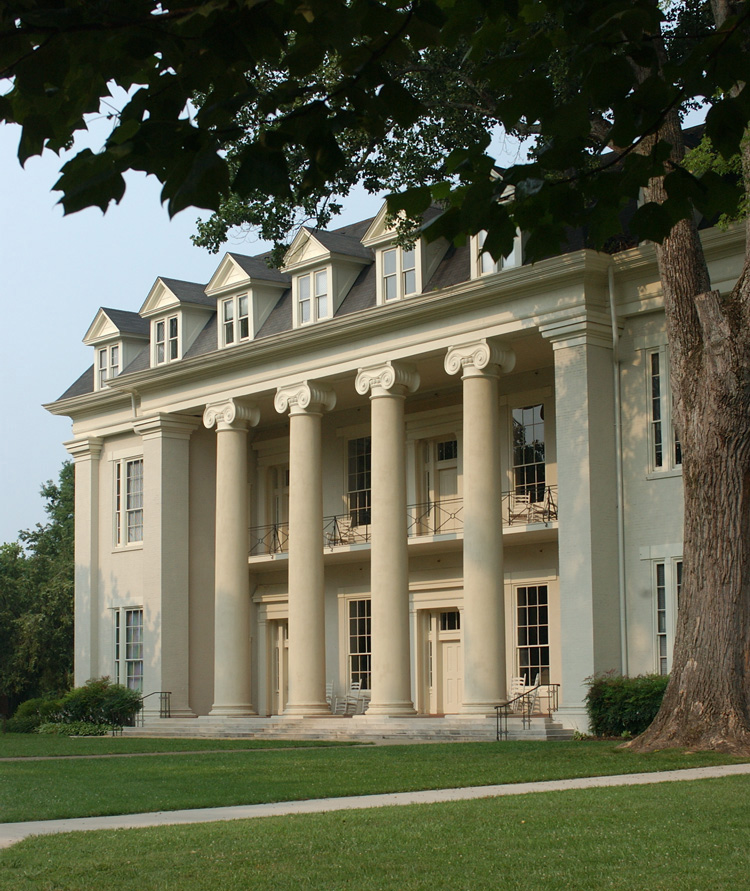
point(304, 397)
point(389, 378)
point(573, 328)
point(165, 424)
point(480, 356)
point(231, 414)
point(91, 447)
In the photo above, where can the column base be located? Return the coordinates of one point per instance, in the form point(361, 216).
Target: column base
point(307, 709)
point(231, 711)
point(391, 709)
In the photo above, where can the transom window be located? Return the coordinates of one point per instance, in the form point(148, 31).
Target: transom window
point(359, 480)
point(399, 273)
point(486, 265)
point(128, 519)
point(532, 622)
point(235, 321)
point(166, 340)
point(450, 620)
point(360, 642)
point(108, 363)
point(528, 452)
point(665, 447)
point(312, 297)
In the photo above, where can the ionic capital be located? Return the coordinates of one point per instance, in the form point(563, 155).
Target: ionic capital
point(480, 356)
point(304, 397)
point(85, 448)
point(391, 378)
point(231, 415)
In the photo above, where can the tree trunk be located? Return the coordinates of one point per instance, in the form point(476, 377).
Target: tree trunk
point(707, 701)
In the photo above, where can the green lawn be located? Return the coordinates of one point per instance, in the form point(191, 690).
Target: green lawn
point(38, 790)
point(27, 745)
point(673, 837)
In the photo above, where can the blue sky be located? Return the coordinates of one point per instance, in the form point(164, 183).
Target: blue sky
point(56, 272)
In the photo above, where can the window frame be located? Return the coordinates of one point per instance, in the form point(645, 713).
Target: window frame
point(168, 339)
point(666, 583)
point(520, 483)
point(664, 447)
point(400, 273)
point(362, 605)
point(528, 670)
point(239, 321)
point(127, 517)
point(128, 655)
point(110, 368)
point(483, 264)
point(314, 296)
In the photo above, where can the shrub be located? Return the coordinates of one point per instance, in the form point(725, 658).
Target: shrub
point(623, 706)
point(76, 728)
point(30, 714)
point(100, 701)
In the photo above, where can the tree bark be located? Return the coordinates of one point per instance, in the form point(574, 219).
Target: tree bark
point(707, 701)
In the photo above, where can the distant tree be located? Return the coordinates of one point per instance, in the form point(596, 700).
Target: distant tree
point(36, 600)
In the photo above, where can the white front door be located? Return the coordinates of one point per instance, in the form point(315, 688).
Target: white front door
point(453, 681)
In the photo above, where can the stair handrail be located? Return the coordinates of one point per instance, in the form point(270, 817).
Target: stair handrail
point(165, 705)
point(527, 700)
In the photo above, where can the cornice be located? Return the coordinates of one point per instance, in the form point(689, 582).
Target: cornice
point(574, 327)
point(90, 447)
point(164, 424)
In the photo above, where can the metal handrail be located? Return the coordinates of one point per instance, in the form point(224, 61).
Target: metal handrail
point(343, 530)
point(270, 539)
point(165, 705)
point(502, 711)
point(435, 517)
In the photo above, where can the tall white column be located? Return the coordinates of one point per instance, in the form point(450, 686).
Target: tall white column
point(587, 503)
point(232, 658)
point(86, 454)
point(306, 403)
point(389, 562)
point(166, 574)
point(480, 364)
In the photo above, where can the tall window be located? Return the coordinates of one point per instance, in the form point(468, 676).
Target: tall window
point(528, 452)
point(312, 297)
point(358, 472)
point(665, 447)
point(360, 642)
point(108, 364)
point(486, 265)
point(235, 320)
point(667, 589)
point(129, 501)
point(399, 273)
point(533, 633)
point(166, 340)
point(129, 648)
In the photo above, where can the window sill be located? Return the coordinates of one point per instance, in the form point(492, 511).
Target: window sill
point(664, 474)
point(126, 549)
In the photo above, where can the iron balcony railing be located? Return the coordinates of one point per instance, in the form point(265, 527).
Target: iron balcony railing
point(537, 504)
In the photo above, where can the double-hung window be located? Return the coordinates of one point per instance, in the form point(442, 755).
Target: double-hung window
point(128, 518)
point(235, 319)
point(129, 648)
point(313, 299)
point(360, 642)
point(359, 480)
point(532, 629)
point(486, 265)
point(664, 444)
point(667, 588)
point(529, 466)
point(399, 278)
point(108, 364)
point(166, 340)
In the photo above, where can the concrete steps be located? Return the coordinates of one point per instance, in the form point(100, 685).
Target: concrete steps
point(356, 728)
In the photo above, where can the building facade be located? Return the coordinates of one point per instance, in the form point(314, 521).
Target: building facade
point(416, 471)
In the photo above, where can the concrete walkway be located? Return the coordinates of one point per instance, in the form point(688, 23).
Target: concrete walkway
point(14, 832)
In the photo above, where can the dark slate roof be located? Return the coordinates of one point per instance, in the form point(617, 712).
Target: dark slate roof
point(141, 362)
point(257, 267)
point(280, 318)
point(206, 342)
point(452, 269)
point(84, 384)
point(127, 322)
point(361, 294)
point(188, 292)
point(343, 244)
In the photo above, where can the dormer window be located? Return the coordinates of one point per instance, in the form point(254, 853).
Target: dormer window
point(166, 340)
point(312, 297)
point(486, 265)
point(108, 364)
point(235, 319)
point(399, 273)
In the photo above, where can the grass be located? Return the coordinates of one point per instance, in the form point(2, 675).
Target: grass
point(33, 745)
point(42, 790)
point(688, 836)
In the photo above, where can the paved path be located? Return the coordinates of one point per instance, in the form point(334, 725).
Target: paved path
point(13, 832)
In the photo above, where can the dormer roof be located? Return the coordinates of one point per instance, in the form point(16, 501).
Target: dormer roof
point(169, 293)
point(238, 270)
point(381, 231)
point(112, 323)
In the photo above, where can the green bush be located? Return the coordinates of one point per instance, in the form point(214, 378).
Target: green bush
point(623, 706)
point(77, 728)
point(30, 714)
point(100, 701)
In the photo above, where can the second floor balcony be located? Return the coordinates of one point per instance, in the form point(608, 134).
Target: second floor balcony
point(534, 506)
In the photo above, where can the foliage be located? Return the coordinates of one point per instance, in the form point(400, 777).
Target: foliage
point(36, 599)
point(32, 714)
point(73, 728)
point(621, 706)
point(100, 701)
point(705, 159)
